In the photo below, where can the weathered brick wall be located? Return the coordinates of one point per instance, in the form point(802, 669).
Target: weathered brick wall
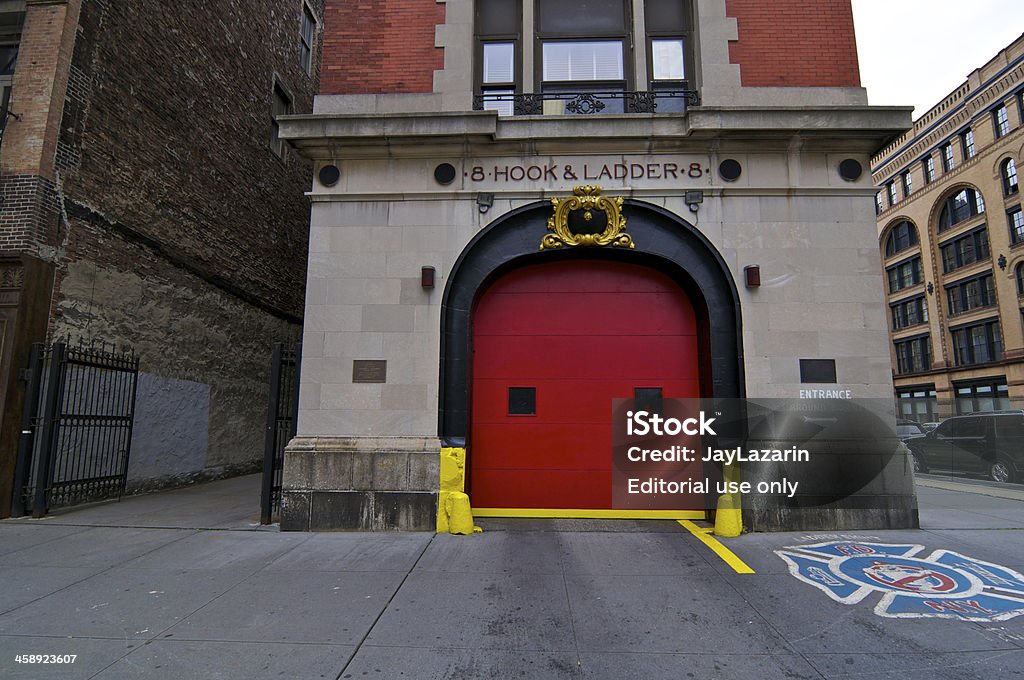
point(166, 128)
point(173, 225)
point(380, 46)
point(795, 43)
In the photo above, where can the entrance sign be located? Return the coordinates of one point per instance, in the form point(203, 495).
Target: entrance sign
point(944, 585)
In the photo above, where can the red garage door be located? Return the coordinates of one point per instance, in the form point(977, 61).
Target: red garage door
point(553, 345)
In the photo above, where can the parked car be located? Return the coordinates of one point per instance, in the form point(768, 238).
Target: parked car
point(928, 427)
point(988, 444)
point(907, 429)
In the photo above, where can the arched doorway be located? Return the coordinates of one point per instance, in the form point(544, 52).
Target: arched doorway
point(667, 248)
point(553, 345)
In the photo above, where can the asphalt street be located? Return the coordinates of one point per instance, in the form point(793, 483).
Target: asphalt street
point(186, 584)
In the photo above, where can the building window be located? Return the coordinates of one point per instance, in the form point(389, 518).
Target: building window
point(959, 207)
point(978, 343)
point(879, 203)
point(975, 293)
point(947, 157)
point(282, 106)
point(967, 141)
point(8, 62)
point(306, 34)
point(891, 190)
point(1008, 171)
point(901, 237)
point(908, 313)
point(990, 395)
point(964, 250)
point(917, 403)
point(498, 28)
point(913, 355)
point(905, 274)
point(928, 166)
point(908, 183)
point(1002, 120)
point(1018, 274)
point(583, 56)
point(1015, 219)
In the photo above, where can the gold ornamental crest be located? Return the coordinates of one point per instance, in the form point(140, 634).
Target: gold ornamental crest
point(578, 221)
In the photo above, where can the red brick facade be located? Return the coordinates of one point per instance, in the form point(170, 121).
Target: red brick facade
point(795, 43)
point(380, 46)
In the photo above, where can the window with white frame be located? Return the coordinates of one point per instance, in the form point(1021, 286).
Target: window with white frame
point(593, 49)
point(1002, 120)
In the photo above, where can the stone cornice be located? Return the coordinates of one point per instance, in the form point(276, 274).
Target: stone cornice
point(850, 129)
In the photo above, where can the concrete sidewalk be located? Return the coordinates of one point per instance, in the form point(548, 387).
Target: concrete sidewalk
point(185, 584)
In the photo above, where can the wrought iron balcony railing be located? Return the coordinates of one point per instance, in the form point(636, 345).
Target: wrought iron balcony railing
point(586, 103)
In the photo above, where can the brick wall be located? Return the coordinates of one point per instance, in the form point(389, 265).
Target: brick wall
point(380, 46)
point(795, 43)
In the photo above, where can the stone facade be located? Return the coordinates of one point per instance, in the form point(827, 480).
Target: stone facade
point(388, 216)
point(948, 378)
point(140, 173)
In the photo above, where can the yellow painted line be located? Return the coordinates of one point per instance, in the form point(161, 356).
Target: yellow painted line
point(562, 513)
point(728, 556)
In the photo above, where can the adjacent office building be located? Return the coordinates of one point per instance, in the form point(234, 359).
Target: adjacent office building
point(951, 234)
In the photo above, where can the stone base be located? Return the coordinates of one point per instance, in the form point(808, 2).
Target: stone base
point(360, 484)
point(893, 512)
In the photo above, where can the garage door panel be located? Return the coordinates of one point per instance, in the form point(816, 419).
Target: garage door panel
point(561, 357)
point(567, 401)
point(581, 334)
point(560, 314)
point(543, 447)
point(569, 489)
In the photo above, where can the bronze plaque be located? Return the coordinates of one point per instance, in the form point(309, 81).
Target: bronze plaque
point(369, 371)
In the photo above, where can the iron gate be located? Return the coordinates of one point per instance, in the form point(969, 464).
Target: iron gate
point(76, 427)
point(282, 421)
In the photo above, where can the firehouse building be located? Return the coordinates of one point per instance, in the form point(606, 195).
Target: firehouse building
point(523, 210)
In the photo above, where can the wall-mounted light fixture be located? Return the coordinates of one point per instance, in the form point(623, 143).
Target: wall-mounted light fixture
point(752, 275)
point(931, 288)
point(484, 202)
point(1001, 262)
point(693, 199)
point(427, 277)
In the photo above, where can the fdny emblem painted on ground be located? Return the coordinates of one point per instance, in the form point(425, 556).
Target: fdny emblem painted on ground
point(944, 585)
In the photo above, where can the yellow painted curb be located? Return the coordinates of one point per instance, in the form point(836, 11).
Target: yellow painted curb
point(728, 556)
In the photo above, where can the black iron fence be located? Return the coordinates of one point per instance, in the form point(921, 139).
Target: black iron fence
point(76, 427)
point(586, 103)
point(282, 420)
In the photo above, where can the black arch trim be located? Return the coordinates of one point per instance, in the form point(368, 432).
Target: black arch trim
point(663, 240)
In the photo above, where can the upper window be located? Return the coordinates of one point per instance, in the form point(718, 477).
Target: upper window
point(891, 190)
point(928, 166)
point(1018, 274)
point(1002, 120)
point(947, 157)
point(905, 274)
point(978, 343)
point(1008, 170)
point(306, 34)
point(8, 61)
point(1015, 220)
point(961, 206)
point(908, 183)
point(587, 55)
point(965, 250)
point(282, 106)
point(879, 202)
point(902, 237)
point(967, 141)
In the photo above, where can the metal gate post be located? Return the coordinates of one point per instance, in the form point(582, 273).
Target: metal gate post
point(26, 440)
point(44, 463)
point(269, 447)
